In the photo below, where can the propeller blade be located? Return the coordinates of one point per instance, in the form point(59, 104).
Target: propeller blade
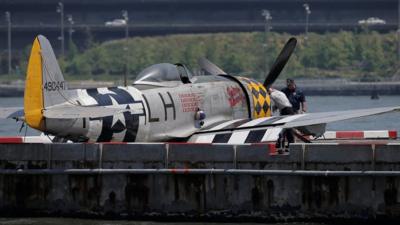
point(210, 67)
point(280, 62)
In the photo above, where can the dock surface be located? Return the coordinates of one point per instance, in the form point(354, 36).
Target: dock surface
point(196, 181)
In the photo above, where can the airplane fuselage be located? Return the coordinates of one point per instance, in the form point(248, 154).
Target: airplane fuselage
point(160, 113)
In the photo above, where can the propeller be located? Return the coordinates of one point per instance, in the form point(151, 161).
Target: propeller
point(274, 72)
point(210, 67)
point(280, 62)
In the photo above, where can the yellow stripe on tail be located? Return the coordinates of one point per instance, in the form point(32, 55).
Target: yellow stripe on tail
point(33, 97)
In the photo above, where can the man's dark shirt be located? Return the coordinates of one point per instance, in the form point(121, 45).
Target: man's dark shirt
point(295, 97)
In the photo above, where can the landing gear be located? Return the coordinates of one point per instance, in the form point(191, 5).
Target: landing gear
point(286, 137)
point(284, 140)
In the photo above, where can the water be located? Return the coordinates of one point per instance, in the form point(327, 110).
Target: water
point(390, 121)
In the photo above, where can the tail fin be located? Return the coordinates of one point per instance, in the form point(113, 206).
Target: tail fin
point(45, 85)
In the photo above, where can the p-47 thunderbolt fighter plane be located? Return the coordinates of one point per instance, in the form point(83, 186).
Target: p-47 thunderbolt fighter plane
point(165, 103)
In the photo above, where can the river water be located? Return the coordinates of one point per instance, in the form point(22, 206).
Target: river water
point(389, 121)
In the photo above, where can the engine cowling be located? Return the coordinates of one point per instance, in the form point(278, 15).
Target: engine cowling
point(259, 100)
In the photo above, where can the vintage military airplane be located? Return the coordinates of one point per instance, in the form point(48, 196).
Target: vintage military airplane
point(165, 103)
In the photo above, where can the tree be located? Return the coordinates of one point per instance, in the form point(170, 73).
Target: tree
point(342, 54)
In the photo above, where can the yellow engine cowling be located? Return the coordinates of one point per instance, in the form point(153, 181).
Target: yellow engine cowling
point(260, 102)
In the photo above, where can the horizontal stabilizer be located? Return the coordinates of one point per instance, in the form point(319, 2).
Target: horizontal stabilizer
point(11, 112)
point(76, 112)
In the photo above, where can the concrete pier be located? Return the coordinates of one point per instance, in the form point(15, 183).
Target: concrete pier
point(243, 182)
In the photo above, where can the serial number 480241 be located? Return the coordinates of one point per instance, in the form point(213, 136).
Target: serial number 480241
point(54, 86)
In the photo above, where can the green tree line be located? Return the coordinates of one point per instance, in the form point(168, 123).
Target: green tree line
point(365, 55)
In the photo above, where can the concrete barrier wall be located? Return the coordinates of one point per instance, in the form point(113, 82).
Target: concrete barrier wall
point(206, 195)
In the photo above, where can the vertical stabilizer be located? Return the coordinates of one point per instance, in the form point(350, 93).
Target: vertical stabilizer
point(54, 86)
point(45, 85)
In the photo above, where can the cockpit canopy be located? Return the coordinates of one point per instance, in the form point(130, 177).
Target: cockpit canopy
point(164, 74)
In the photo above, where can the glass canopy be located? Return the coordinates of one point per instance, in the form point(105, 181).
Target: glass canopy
point(163, 72)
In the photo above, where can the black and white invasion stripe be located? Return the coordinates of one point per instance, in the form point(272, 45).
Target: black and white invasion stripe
point(243, 131)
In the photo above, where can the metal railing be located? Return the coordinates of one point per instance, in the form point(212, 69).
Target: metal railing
point(319, 173)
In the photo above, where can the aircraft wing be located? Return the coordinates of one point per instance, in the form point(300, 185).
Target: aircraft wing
point(268, 128)
point(327, 117)
point(11, 112)
point(76, 112)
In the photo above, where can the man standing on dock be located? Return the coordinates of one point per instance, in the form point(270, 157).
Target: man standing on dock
point(295, 96)
point(281, 102)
